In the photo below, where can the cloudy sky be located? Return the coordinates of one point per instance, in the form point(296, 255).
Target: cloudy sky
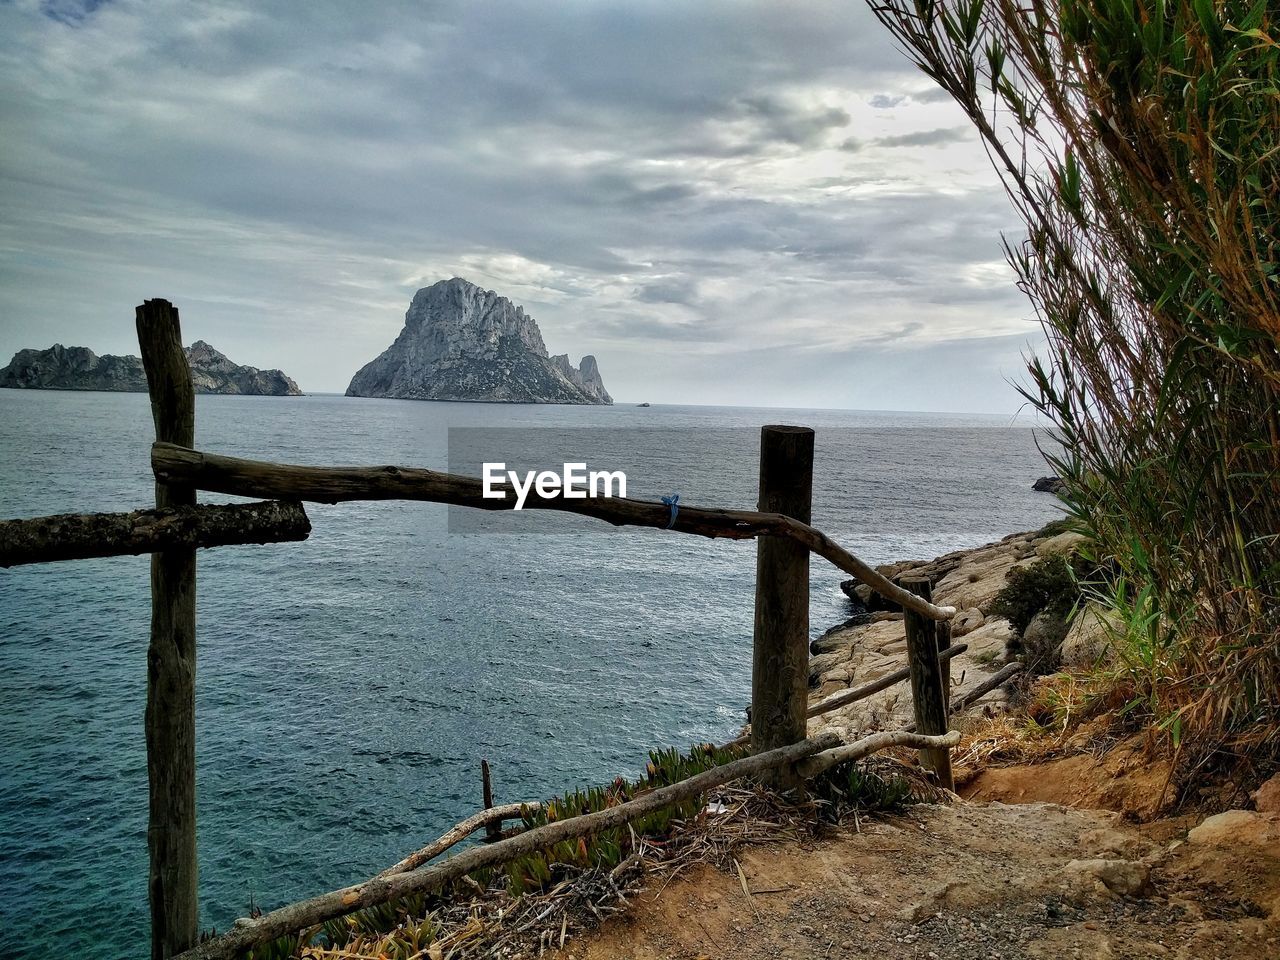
point(725, 202)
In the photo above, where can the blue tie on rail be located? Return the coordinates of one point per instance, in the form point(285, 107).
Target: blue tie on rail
point(673, 502)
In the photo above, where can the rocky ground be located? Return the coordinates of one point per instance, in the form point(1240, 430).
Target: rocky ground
point(974, 882)
point(1001, 874)
point(875, 643)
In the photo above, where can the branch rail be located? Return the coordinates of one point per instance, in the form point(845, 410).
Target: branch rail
point(809, 756)
point(81, 536)
point(248, 932)
point(256, 478)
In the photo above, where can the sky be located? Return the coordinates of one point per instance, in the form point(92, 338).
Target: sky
point(735, 203)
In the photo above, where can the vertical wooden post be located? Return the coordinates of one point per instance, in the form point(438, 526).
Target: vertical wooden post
point(928, 683)
point(780, 666)
point(494, 830)
point(171, 658)
point(942, 631)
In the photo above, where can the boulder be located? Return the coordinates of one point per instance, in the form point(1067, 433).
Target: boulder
point(966, 621)
point(837, 638)
point(1042, 641)
point(841, 634)
point(1267, 797)
point(882, 616)
point(1049, 485)
point(883, 636)
point(1090, 639)
point(1114, 844)
point(1125, 878)
point(850, 589)
point(873, 601)
point(1067, 543)
point(991, 640)
point(1240, 827)
point(976, 580)
point(826, 662)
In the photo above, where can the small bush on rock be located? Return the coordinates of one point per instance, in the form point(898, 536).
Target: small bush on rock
point(1046, 586)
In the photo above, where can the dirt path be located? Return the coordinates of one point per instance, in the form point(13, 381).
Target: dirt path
point(972, 881)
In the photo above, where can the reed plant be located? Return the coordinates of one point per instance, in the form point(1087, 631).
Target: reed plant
point(1139, 140)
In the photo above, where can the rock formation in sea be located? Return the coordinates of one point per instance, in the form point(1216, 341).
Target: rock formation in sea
point(79, 368)
point(461, 342)
point(1049, 485)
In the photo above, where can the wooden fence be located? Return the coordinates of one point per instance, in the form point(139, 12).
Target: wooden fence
point(177, 526)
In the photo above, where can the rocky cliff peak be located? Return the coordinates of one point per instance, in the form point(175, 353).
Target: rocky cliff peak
point(79, 368)
point(462, 342)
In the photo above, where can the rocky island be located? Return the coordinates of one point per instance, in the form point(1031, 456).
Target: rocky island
point(462, 342)
point(79, 368)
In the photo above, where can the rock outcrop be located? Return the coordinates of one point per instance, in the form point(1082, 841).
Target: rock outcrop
point(1049, 485)
point(461, 342)
point(872, 645)
point(212, 372)
point(79, 368)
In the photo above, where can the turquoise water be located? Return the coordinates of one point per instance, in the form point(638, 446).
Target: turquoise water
point(348, 686)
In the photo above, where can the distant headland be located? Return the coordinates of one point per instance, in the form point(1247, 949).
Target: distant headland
point(462, 342)
point(79, 368)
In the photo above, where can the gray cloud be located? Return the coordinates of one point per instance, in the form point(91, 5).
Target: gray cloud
point(927, 138)
point(884, 101)
point(799, 126)
point(675, 289)
point(633, 174)
point(931, 95)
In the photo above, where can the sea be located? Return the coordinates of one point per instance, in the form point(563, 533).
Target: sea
point(348, 686)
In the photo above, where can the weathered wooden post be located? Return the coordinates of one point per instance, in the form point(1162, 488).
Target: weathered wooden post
point(942, 634)
point(171, 658)
point(494, 830)
point(928, 683)
point(780, 665)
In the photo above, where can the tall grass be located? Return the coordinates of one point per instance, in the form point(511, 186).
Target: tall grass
point(1140, 142)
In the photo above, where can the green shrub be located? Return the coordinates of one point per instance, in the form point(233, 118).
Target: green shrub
point(1048, 584)
point(862, 786)
point(608, 848)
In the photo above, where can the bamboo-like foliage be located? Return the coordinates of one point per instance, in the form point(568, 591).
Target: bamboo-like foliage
point(1140, 142)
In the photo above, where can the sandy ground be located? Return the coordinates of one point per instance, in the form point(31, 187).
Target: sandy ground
point(989, 881)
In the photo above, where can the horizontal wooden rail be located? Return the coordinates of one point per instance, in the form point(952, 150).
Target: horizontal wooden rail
point(248, 932)
point(846, 697)
point(79, 536)
point(255, 478)
point(827, 759)
point(1005, 674)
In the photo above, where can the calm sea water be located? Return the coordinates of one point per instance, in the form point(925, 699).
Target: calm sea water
point(348, 686)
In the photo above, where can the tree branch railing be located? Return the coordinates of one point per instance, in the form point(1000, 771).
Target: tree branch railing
point(256, 478)
point(809, 757)
point(83, 536)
